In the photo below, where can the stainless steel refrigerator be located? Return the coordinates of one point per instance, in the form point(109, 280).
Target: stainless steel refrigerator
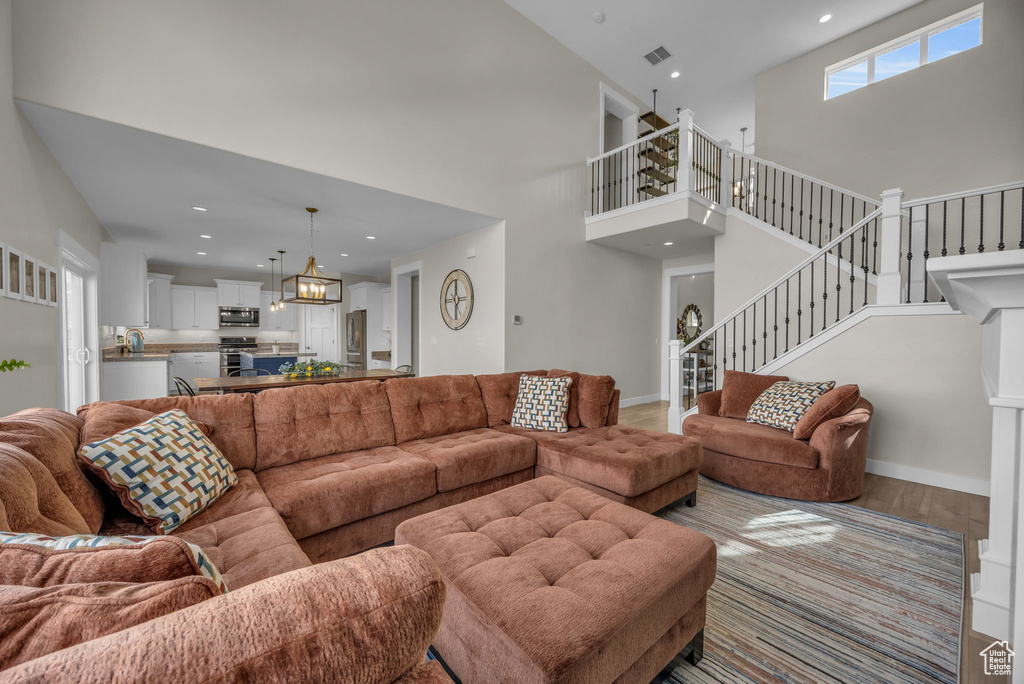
point(355, 339)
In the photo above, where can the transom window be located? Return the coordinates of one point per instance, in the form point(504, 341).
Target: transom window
point(957, 33)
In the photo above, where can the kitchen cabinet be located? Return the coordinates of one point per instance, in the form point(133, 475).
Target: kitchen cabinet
point(276, 320)
point(385, 307)
point(238, 293)
point(270, 364)
point(123, 287)
point(377, 363)
point(194, 308)
point(124, 380)
point(366, 295)
point(191, 365)
point(158, 309)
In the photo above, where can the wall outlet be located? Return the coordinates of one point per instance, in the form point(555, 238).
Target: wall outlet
point(471, 253)
point(517, 320)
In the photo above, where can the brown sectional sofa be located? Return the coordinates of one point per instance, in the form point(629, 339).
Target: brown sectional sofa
point(326, 471)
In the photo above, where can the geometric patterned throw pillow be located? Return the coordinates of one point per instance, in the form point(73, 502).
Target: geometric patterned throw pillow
point(164, 470)
point(203, 565)
point(542, 403)
point(783, 404)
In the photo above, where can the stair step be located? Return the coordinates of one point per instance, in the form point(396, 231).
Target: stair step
point(658, 174)
point(652, 190)
point(656, 157)
point(664, 143)
point(654, 121)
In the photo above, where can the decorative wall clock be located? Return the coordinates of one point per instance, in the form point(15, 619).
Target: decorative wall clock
point(457, 299)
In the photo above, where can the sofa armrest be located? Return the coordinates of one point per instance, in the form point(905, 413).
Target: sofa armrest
point(708, 403)
point(613, 408)
point(366, 618)
point(842, 444)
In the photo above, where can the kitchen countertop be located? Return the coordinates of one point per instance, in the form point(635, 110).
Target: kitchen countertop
point(381, 355)
point(271, 355)
point(161, 351)
point(141, 356)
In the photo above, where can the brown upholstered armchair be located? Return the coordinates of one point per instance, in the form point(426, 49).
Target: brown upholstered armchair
point(827, 467)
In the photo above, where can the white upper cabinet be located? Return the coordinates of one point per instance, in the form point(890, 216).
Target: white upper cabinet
point(358, 296)
point(238, 293)
point(159, 316)
point(124, 287)
point(194, 308)
point(385, 307)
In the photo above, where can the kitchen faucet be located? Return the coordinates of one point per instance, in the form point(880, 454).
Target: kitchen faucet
point(129, 343)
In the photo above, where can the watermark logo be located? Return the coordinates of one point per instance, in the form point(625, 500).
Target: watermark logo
point(998, 659)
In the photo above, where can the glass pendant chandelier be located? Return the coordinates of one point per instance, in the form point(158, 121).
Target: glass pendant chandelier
point(312, 286)
point(279, 304)
point(273, 287)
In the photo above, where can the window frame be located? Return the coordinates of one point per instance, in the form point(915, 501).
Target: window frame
point(923, 35)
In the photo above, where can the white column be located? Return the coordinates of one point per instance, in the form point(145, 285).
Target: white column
point(990, 288)
point(889, 255)
point(675, 387)
point(685, 171)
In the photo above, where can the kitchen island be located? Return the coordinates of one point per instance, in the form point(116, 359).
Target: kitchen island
point(269, 361)
point(258, 383)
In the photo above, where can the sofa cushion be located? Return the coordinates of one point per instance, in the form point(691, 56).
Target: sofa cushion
point(572, 413)
point(300, 423)
point(832, 404)
point(435, 405)
point(740, 390)
point(31, 500)
point(542, 403)
point(107, 418)
point(41, 561)
point(734, 437)
point(785, 403)
point(622, 459)
point(499, 392)
point(51, 436)
point(35, 621)
point(248, 547)
point(164, 470)
point(465, 458)
point(596, 393)
point(323, 493)
point(230, 414)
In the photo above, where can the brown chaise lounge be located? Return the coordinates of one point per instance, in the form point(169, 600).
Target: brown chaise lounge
point(827, 467)
point(327, 471)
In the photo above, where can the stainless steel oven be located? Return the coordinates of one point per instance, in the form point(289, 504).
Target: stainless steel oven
point(239, 317)
point(231, 349)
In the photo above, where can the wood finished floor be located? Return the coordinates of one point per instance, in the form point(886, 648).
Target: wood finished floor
point(952, 510)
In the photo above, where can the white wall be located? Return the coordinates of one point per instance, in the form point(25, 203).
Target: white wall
point(699, 290)
point(36, 199)
point(951, 125)
point(922, 373)
point(475, 346)
point(463, 102)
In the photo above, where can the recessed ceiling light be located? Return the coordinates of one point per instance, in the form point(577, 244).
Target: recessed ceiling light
point(319, 265)
point(199, 208)
point(344, 254)
point(669, 244)
point(259, 265)
point(823, 18)
point(206, 237)
point(675, 74)
point(201, 253)
point(370, 237)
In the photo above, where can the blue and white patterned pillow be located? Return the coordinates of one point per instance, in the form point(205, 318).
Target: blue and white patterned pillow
point(164, 470)
point(541, 403)
point(82, 541)
point(783, 404)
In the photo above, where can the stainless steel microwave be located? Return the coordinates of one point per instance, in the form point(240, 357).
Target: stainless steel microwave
point(239, 317)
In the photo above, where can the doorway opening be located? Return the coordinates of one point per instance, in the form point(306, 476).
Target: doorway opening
point(79, 330)
point(682, 287)
point(405, 283)
point(618, 126)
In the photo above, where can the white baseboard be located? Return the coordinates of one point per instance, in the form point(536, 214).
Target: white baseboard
point(633, 401)
point(934, 478)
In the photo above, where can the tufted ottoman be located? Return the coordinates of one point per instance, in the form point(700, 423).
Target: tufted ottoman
point(640, 468)
point(548, 582)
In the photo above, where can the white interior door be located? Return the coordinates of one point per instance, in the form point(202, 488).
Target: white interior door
point(321, 332)
point(76, 353)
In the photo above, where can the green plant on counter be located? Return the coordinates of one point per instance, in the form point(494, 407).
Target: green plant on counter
point(13, 365)
point(310, 368)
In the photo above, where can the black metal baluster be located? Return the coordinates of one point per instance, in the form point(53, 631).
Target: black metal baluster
point(792, 180)
point(734, 344)
point(1002, 216)
point(753, 341)
point(787, 314)
point(775, 327)
point(744, 338)
point(764, 331)
point(800, 227)
point(824, 293)
point(852, 277)
point(874, 249)
point(831, 212)
point(821, 212)
point(925, 252)
point(839, 279)
point(944, 214)
point(981, 226)
point(810, 315)
point(910, 251)
point(775, 174)
point(799, 306)
point(864, 260)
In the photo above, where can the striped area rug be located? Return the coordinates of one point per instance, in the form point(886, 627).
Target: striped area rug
point(815, 592)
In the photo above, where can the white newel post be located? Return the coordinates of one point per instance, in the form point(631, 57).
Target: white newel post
point(889, 279)
point(725, 174)
point(686, 149)
point(990, 288)
point(675, 387)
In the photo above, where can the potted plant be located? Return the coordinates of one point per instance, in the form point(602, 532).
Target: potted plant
point(13, 365)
